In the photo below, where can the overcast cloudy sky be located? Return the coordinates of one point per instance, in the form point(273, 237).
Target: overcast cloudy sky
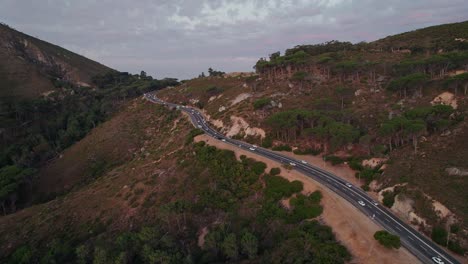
point(181, 38)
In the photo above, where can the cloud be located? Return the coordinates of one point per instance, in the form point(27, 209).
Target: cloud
point(182, 38)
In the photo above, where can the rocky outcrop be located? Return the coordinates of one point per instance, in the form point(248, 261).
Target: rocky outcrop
point(453, 171)
point(240, 126)
point(446, 98)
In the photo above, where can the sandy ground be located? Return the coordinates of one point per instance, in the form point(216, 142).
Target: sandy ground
point(351, 227)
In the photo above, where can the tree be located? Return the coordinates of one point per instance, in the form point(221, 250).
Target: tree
point(343, 92)
point(439, 235)
point(249, 245)
point(229, 246)
point(142, 74)
point(414, 129)
point(387, 240)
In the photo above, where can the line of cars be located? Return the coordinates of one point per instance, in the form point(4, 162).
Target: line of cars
point(436, 259)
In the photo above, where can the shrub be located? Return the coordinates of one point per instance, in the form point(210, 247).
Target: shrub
point(282, 148)
point(258, 167)
point(334, 159)
point(388, 198)
point(260, 103)
point(305, 207)
point(278, 187)
point(439, 235)
point(193, 133)
point(267, 142)
point(355, 163)
point(387, 240)
point(275, 171)
point(456, 247)
point(308, 151)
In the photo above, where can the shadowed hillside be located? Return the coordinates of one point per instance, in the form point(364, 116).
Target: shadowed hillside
point(30, 66)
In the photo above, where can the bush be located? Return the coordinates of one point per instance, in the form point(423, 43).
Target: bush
point(334, 159)
point(387, 240)
point(439, 235)
point(258, 167)
point(456, 247)
point(267, 142)
point(305, 207)
point(355, 163)
point(388, 198)
point(260, 103)
point(275, 171)
point(282, 148)
point(193, 133)
point(308, 151)
point(278, 187)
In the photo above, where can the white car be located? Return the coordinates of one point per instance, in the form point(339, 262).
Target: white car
point(361, 203)
point(437, 260)
point(349, 185)
point(199, 126)
point(252, 149)
point(304, 162)
point(240, 146)
point(255, 146)
point(375, 203)
point(223, 140)
point(292, 163)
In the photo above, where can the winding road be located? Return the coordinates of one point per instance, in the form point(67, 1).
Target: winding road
point(418, 244)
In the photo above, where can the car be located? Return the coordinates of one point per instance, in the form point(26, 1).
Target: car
point(375, 203)
point(349, 185)
point(240, 146)
point(437, 260)
point(255, 146)
point(292, 163)
point(361, 203)
point(224, 140)
point(199, 126)
point(304, 162)
point(252, 149)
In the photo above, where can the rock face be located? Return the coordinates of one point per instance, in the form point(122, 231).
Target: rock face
point(241, 97)
point(239, 126)
point(374, 162)
point(456, 171)
point(446, 98)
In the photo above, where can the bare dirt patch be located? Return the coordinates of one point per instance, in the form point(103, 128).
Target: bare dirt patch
point(351, 228)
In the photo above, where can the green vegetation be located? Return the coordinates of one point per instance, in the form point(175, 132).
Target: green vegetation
point(261, 103)
point(414, 123)
point(307, 151)
point(275, 171)
point(252, 219)
point(282, 148)
point(388, 198)
point(291, 124)
point(387, 240)
point(439, 235)
point(279, 188)
point(36, 130)
point(12, 181)
point(193, 133)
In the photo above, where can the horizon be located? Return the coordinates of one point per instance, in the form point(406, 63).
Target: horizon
point(181, 39)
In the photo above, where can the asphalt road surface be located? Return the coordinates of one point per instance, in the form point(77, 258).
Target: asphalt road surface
point(419, 245)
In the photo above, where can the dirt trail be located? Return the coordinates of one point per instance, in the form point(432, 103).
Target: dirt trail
point(350, 226)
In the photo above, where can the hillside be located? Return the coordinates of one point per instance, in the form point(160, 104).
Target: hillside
point(393, 113)
point(51, 98)
point(30, 67)
point(172, 201)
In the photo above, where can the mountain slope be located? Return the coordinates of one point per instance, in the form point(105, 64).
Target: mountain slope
point(30, 66)
point(362, 105)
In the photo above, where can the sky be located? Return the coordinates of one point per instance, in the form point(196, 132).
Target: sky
point(182, 38)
